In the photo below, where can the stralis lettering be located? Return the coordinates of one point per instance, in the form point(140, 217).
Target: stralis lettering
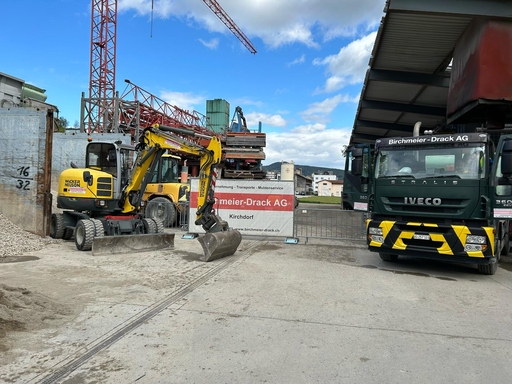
point(422, 200)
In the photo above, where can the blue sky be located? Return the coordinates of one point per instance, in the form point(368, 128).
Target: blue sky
point(303, 84)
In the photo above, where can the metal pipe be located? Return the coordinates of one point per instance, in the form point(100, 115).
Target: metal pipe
point(416, 130)
point(180, 130)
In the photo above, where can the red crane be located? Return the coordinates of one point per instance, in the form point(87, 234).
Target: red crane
point(229, 23)
point(103, 57)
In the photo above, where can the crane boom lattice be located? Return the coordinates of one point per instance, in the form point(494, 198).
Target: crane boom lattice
point(229, 23)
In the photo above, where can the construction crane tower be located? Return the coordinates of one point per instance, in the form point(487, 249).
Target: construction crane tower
point(101, 111)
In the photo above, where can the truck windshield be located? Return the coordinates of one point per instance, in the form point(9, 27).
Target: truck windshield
point(431, 162)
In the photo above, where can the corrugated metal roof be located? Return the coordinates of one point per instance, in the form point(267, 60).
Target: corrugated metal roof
point(407, 79)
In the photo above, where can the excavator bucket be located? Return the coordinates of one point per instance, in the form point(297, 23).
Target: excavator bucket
point(219, 244)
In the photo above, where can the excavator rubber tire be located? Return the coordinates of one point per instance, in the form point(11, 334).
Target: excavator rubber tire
point(99, 230)
point(219, 244)
point(68, 234)
point(159, 226)
point(149, 225)
point(57, 228)
point(84, 235)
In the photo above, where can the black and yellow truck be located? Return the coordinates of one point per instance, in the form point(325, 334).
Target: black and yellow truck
point(445, 197)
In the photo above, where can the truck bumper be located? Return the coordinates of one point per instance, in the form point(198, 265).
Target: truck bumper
point(433, 241)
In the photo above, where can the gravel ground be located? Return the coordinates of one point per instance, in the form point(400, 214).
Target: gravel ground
point(15, 241)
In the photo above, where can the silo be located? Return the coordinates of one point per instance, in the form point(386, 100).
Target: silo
point(287, 170)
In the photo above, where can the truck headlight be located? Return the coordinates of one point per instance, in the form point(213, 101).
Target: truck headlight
point(375, 231)
point(473, 239)
point(378, 239)
point(472, 248)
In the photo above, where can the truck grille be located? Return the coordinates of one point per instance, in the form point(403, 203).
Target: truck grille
point(449, 206)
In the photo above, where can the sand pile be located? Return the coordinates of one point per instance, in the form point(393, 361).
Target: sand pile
point(22, 309)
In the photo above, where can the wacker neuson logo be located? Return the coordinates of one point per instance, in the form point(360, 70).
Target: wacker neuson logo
point(422, 200)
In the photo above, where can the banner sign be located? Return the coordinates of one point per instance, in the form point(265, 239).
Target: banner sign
point(254, 207)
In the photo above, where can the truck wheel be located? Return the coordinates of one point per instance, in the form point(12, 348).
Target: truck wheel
point(84, 235)
point(159, 226)
point(149, 226)
point(388, 257)
point(488, 269)
point(99, 230)
point(163, 209)
point(506, 245)
point(68, 234)
point(57, 226)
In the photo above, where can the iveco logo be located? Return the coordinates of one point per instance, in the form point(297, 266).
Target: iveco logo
point(422, 200)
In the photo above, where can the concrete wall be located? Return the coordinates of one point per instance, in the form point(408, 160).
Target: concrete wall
point(70, 147)
point(24, 175)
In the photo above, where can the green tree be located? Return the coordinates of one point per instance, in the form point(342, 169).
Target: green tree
point(62, 124)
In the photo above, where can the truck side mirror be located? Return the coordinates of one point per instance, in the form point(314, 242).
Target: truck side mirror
point(357, 152)
point(357, 166)
point(506, 159)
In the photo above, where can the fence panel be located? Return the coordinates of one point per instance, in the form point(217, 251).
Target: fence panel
point(173, 215)
point(324, 223)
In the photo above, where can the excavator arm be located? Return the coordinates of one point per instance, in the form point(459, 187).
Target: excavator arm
point(219, 240)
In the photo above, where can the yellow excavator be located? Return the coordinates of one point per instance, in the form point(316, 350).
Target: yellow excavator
point(103, 202)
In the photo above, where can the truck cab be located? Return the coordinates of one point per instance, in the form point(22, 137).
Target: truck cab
point(446, 197)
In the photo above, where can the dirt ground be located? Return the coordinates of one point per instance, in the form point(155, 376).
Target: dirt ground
point(59, 305)
point(46, 289)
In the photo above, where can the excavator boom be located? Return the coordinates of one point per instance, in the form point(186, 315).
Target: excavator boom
point(219, 240)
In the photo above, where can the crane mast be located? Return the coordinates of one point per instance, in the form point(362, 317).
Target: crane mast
point(103, 60)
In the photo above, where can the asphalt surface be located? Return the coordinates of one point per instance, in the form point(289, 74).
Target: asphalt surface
point(326, 311)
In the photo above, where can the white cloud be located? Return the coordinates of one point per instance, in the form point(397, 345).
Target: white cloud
point(298, 60)
point(320, 110)
point(266, 119)
point(311, 144)
point(212, 44)
point(349, 65)
point(183, 100)
point(277, 22)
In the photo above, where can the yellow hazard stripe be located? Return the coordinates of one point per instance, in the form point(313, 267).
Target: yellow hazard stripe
point(399, 244)
point(444, 249)
point(386, 227)
point(490, 236)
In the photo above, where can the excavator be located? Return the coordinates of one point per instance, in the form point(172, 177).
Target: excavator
point(103, 202)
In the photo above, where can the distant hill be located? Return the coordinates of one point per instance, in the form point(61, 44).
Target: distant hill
point(307, 170)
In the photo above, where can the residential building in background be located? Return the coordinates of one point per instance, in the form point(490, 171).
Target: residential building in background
point(330, 188)
point(327, 175)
